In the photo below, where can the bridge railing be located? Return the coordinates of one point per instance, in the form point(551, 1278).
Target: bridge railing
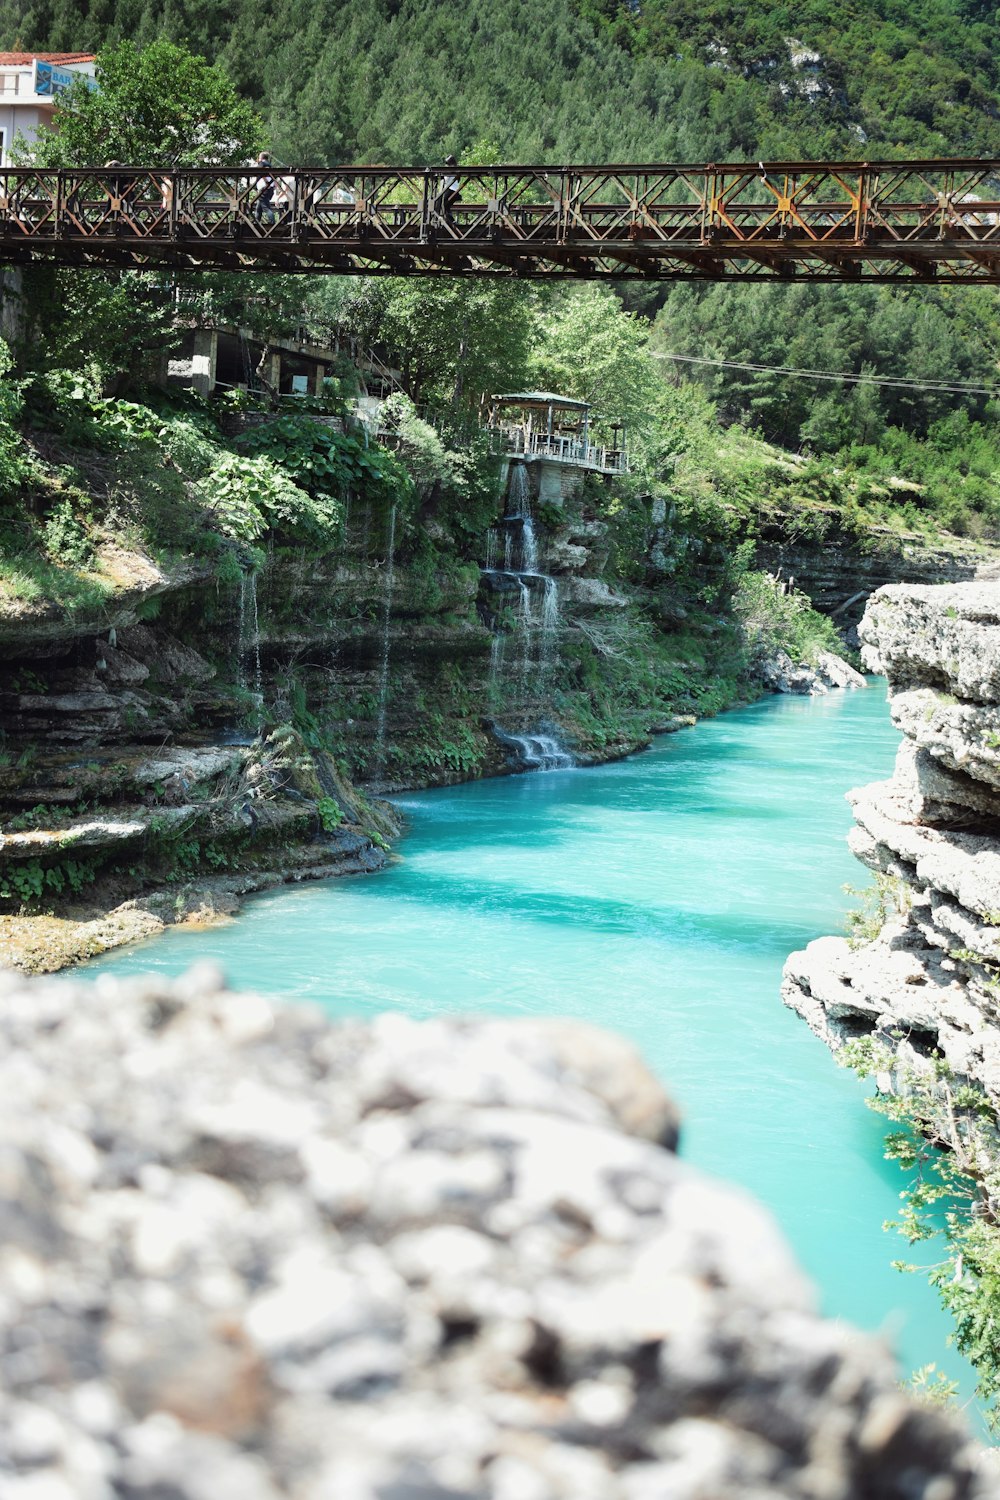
point(512, 218)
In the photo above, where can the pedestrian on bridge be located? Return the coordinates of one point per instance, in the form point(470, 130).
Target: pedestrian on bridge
point(449, 192)
point(265, 186)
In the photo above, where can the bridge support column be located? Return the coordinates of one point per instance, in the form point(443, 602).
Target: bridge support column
point(11, 310)
point(204, 360)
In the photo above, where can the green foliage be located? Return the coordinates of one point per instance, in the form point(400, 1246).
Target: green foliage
point(455, 341)
point(945, 1141)
point(596, 80)
point(326, 464)
point(250, 496)
point(329, 813)
point(931, 1387)
point(776, 617)
point(28, 881)
point(66, 539)
point(106, 328)
point(155, 106)
point(923, 79)
point(589, 348)
point(16, 468)
point(942, 444)
point(429, 463)
point(886, 897)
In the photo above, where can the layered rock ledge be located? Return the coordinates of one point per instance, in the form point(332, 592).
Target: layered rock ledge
point(929, 981)
point(247, 1254)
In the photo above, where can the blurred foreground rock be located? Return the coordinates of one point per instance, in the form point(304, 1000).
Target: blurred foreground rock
point(247, 1254)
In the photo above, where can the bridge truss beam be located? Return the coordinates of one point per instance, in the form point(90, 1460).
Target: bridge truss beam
point(917, 221)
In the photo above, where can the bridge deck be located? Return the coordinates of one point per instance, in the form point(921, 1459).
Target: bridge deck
point(817, 221)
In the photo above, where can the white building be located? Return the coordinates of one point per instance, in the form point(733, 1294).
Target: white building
point(30, 85)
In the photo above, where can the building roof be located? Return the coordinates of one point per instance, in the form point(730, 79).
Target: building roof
point(543, 398)
point(21, 59)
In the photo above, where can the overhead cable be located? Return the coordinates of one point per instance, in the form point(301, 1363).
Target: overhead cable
point(846, 377)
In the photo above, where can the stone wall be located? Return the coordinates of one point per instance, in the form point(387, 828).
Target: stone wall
point(246, 1254)
point(929, 982)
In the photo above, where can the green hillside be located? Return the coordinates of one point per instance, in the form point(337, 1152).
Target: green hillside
point(379, 80)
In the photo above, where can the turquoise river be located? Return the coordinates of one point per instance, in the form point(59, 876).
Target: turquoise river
point(659, 896)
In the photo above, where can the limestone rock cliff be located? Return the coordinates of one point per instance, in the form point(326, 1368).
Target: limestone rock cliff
point(246, 1254)
point(929, 982)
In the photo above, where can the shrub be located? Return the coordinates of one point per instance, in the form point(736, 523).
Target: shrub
point(774, 617)
point(327, 464)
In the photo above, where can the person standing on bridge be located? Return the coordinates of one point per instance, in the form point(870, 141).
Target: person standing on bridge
point(449, 193)
point(263, 209)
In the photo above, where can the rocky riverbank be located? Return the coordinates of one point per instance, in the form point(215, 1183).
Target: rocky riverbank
point(247, 1254)
point(925, 984)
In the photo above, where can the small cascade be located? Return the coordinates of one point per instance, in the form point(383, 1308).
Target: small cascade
point(383, 680)
point(541, 751)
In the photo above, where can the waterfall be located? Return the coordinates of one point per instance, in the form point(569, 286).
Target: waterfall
point(529, 662)
point(525, 627)
point(525, 613)
point(550, 627)
point(496, 666)
point(529, 546)
point(519, 509)
point(540, 751)
point(258, 676)
point(517, 491)
point(248, 637)
point(383, 681)
point(241, 634)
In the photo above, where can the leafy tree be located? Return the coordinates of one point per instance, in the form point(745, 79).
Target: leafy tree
point(158, 106)
point(155, 106)
point(456, 341)
point(594, 351)
point(113, 323)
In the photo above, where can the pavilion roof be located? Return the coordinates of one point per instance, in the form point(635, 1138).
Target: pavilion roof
point(542, 399)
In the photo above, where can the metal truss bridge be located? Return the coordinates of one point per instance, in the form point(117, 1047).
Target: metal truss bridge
point(903, 221)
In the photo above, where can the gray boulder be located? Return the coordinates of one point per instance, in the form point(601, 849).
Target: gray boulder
point(247, 1254)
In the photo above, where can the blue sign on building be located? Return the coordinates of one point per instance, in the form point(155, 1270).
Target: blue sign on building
point(50, 80)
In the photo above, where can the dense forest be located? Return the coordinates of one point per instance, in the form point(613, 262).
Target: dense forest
point(596, 81)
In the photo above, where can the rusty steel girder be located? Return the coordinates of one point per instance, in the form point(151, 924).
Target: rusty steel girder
point(897, 221)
